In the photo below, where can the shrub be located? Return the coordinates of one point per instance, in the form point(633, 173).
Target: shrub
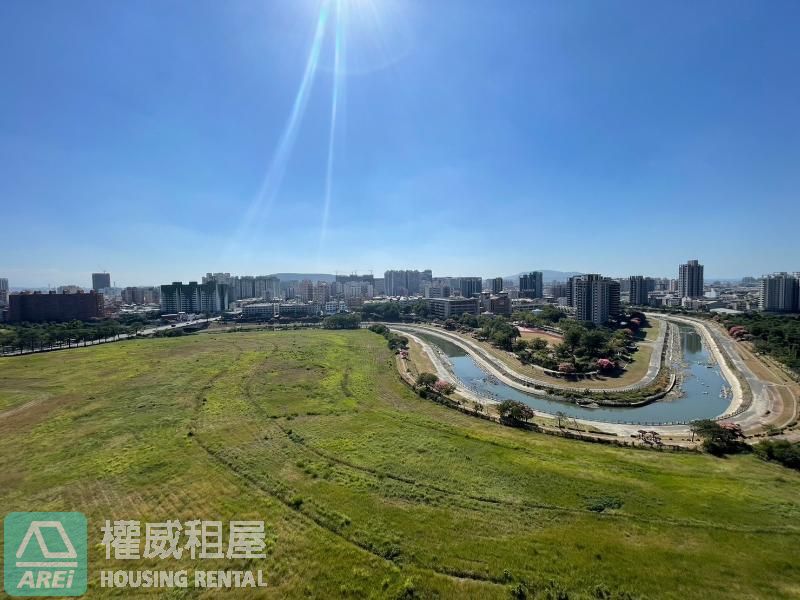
point(514, 413)
point(781, 451)
point(719, 438)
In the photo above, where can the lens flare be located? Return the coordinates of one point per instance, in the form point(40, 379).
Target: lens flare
point(262, 203)
point(338, 89)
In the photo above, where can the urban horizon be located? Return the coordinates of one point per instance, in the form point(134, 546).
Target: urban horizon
point(84, 280)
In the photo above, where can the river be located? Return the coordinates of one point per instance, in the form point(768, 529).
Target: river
point(701, 386)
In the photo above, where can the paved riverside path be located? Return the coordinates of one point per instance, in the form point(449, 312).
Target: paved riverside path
point(523, 382)
point(720, 345)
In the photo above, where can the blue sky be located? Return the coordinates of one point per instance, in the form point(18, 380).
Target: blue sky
point(156, 140)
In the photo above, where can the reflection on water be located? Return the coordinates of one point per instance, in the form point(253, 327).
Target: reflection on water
point(691, 342)
point(702, 383)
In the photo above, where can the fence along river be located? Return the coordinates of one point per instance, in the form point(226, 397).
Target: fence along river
point(703, 390)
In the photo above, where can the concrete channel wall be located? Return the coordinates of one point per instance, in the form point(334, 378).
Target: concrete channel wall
point(657, 360)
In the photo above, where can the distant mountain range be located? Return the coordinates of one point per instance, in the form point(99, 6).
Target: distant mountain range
point(547, 276)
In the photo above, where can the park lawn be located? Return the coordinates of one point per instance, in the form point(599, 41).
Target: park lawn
point(651, 332)
point(552, 340)
point(368, 490)
point(419, 359)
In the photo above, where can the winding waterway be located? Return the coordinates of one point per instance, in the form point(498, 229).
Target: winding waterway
point(701, 385)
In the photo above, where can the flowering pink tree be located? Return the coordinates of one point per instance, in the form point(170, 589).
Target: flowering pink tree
point(443, 387)
point(605, 364)
point(566, 367)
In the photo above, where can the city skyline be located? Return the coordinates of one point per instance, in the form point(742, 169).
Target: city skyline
point(563, 275)
point(84, 279)
point(616, 138)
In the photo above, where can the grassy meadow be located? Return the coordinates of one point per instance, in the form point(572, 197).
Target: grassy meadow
point(368, 491)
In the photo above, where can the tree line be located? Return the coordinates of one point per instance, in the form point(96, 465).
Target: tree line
point(40, 336)
point(775, 335)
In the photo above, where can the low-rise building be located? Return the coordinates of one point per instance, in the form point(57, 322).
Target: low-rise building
point(445, 308)
point(499, 304)
point(292, 310)
point(37, 307)
point(259, 310)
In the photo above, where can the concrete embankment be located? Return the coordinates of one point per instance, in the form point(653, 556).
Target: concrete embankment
point(738, 395)
point(524, 383)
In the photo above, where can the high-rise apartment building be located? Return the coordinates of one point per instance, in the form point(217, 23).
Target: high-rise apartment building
point(531, 285)
point(141, 295)
point(406, 283)
point(101, 281)
point(595, 298)
point(470, 286)
point(3, 291)
point(690, 280)
point(321, 292)
point(219, 278)
point(193, 297)
point(780, 292)
point(497, 285)
point(436, 290)
point(558, 289)
point(266, 287)
point(305, 290)
point(640, 288)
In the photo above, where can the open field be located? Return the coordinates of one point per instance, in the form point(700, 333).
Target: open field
point(368, 490)
point(530, 334)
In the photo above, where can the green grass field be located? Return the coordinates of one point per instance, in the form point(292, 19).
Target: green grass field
point(369, 491)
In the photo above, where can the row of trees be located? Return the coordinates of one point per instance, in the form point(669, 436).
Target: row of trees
point(496, 329)
point(39, 336)
point(342, 321)
point(775, 335)
point(548, 316)
point(429, 382)
point(395, 341)
point(583, 348)
point(392, 311)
